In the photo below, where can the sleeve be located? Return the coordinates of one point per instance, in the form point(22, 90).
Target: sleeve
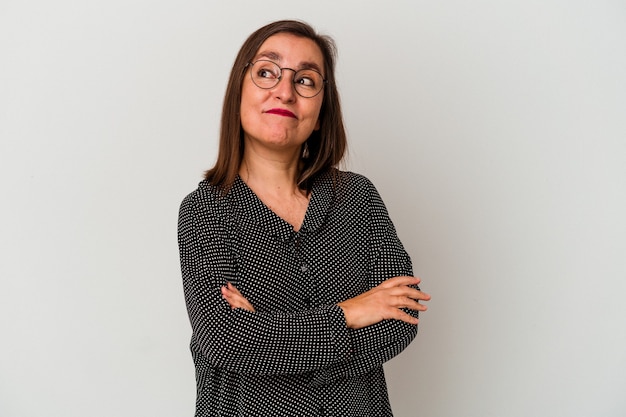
point(238, 340)
point(376, 344)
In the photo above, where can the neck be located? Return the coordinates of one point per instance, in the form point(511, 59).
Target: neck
point(272, 173)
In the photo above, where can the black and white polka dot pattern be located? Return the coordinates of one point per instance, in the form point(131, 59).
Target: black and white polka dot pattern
point(294, 356)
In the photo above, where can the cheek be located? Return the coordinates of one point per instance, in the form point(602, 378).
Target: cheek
point(250, 94)
point(318, 110)
point(245, 98)
point(246, 112)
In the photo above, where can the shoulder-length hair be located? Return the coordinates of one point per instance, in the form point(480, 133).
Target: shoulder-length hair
point(325, 147)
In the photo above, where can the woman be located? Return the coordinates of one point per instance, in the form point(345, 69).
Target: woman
point(297, 287)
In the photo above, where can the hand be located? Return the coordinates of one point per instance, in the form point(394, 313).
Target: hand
point(235, 299)
point(384, 302)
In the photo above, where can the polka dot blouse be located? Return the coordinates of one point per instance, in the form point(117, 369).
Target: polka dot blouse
point(294, 356)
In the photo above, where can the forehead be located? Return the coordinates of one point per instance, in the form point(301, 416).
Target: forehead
point(291, 50)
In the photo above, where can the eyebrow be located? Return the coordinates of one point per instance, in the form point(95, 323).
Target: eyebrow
point(274, 56)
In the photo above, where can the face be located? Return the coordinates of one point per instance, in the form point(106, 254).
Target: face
point(278, 119)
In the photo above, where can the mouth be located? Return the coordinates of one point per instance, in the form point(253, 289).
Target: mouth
point(281, 112)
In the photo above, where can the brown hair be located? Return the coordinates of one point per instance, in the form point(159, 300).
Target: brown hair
point(325, 147)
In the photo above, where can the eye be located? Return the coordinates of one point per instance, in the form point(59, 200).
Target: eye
point(307, 78)
point(267, 73)
point(305, 81)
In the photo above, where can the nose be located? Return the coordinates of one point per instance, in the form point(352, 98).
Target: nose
point(285, 89)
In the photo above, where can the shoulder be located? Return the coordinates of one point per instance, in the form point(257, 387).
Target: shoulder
point(206, 200)
point(349, 192)
point(358, 190)
point(339, 180)
point(353, 186)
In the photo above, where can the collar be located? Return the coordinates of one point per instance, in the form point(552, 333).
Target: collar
point(251, 211)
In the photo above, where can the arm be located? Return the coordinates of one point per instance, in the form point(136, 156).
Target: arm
point(375, 344)
point(381, 320)
point(239, 340)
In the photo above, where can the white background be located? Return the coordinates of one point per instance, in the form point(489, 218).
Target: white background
point(494, 130)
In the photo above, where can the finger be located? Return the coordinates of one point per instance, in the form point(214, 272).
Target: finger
point(243, 301)
point(413, 305)
point(228, 296)
point(233, 289)
point(402, 301)
point(236, 300)
point(408, 292)
point(232, 292)
point(397, 314)
point(238, 303)
point(231, 296)
point(417, 294)
point(399, 281)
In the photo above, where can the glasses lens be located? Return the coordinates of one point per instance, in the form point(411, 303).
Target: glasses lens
point(265, 74)
point(308, 82)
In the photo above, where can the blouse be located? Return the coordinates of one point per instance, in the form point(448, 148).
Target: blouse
point(294, 356)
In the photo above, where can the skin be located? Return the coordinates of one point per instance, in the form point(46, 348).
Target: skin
point(272, 143)
point(275, 136)
point(270, 164)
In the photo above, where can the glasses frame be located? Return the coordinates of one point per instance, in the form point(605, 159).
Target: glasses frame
point(280, 77)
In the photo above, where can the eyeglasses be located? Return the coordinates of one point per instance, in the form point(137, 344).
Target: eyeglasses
point(267, 74)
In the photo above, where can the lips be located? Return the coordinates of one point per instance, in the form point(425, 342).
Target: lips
point(281, 112)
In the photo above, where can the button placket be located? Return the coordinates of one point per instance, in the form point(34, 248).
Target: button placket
point(298, 242)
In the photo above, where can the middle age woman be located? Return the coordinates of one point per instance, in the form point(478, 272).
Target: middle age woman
point(297, 287)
